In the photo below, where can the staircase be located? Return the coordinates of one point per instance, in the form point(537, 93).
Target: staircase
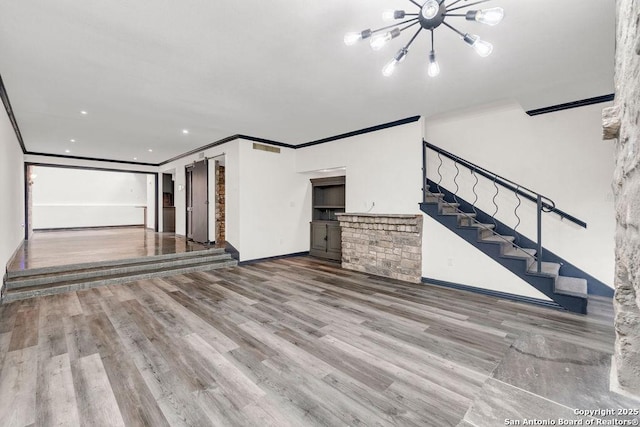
point(66, 278)
point(568, 292)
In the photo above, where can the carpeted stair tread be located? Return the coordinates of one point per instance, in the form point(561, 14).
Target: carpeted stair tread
point(481, 225)
point(460, 214)
point(498, 239)
point(571, 286)
point(548, 268)
point(520, 253)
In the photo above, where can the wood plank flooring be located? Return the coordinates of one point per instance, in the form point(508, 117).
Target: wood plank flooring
point(292, 342)
point(53, 248)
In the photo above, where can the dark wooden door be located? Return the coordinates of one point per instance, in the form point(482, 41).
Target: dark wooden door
point(198, 201)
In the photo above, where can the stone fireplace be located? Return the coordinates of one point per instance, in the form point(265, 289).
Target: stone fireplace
point(387, 245)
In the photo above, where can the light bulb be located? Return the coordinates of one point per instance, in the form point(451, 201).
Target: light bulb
point(482, 47)
point(380, 40)
point(352, 37)
point(390, 14)
point(491, 16)
point(388, 69)
point(430, 9)
point(434, 68)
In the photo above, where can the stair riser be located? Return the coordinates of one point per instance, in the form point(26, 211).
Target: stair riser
point(466, 221)
point(112, 263)
point(445, 209)
point(78, 275)
point(433, 199)
point(484, 232)
point(24, 294)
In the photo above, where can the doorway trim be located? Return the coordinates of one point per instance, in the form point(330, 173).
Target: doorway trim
point(28, 207)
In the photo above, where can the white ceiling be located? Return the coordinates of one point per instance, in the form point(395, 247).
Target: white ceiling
point(146, 69)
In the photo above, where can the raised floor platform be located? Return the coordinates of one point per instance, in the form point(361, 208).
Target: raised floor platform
point(65, 261)
point(54, 248)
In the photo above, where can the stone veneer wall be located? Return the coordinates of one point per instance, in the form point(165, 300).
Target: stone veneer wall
point(220, 237)
point(384, 245)
point(623, 122)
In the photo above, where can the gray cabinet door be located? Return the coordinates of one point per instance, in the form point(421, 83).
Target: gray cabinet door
point(334, 242)
point(318, 239)
point(326, 240)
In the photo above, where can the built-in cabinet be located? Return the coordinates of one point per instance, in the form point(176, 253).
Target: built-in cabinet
point(328, 199)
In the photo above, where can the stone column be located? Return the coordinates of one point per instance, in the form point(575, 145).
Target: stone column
point(220, 235)
point(622, 123)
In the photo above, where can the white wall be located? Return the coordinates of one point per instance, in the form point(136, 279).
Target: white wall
point(11, 191)
point(382, 168)
point(69, 197)
point(274, 220)
point(560, 155)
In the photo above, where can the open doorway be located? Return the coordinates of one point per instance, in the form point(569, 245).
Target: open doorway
point(65, 197)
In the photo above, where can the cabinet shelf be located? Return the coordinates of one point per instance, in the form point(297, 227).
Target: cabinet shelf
point(328, 200)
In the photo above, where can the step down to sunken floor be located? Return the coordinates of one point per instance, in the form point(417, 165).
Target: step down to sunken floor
point(66, 278)
point(568, 292)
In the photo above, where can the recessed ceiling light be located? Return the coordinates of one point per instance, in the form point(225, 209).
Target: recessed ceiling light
point(185, 131)
point(84, 113)
point(72, 140)
point(67, 151)
point(135, 158)
point(150, 150)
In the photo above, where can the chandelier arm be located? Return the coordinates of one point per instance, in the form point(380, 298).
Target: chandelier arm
point(454, 29)
point(409, 26)
point(457, 1)
point(467, 5)
point(406, 47)
point(394, 25)
point(432, 40)
point(416, 3)
point(455, 14)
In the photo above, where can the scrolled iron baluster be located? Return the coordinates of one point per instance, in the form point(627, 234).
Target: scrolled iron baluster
point(455, 193)
point(515, 211)
point(439, 174)
point(475, 194)
point(493, 200)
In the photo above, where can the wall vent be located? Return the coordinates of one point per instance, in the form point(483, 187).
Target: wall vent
point(268, 148)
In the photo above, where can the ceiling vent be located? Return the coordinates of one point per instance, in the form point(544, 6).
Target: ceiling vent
point(268, 148)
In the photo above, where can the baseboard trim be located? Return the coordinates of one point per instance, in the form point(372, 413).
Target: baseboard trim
point(492, 293)
point(272, 258)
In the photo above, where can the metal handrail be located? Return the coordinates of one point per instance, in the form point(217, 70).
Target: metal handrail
point(543, 203)
point(548, 205)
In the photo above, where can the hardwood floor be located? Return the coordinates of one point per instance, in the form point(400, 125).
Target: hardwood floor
point(52, 248)
point(291, 342)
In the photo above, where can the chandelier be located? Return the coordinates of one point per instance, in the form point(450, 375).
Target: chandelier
point(432, 14)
